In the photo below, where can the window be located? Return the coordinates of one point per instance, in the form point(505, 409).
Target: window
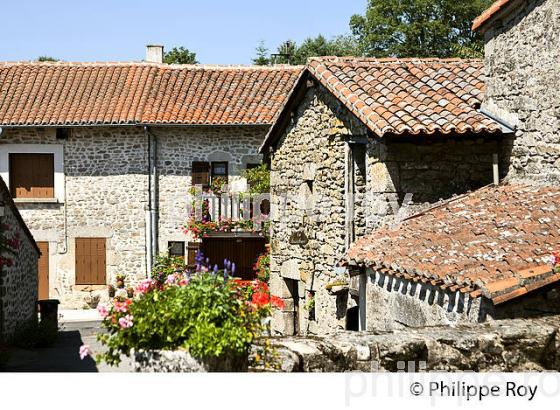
point(90, 261)
point(31, 175)
point(201, 174)
point(220, 169)
point(62, 133)
point(176, 249)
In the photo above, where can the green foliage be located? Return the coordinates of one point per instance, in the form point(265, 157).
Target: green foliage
point(262, 267)
point(417, 28)
point(290, 53)
point(320, 46)
point(207, 317)
point(262, 57)
point(166, 265)
point(33, 335)
point(47, 58)
point(258, 179)
point(180, 55)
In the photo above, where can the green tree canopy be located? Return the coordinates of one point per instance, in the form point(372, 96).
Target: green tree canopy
point(262, 57)
point(418, 28)
point(180, 55)
point(319, 46)
point(289, 52)
point(46, 58)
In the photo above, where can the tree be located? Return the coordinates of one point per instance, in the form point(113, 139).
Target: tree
point(286, 52)
point(262, 57)
point(46, 58)
point(180, 55)
point(418, 28)
point(320, 46)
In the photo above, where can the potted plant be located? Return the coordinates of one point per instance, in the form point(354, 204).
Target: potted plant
point(192, 321)
point(111, 289)
point(120, 281)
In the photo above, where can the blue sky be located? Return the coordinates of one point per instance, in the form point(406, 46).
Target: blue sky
point(219, 31)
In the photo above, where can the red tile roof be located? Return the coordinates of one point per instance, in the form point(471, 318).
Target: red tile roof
point(128, 93)
point(490, 12)
point(494, 242)
point(408, 96)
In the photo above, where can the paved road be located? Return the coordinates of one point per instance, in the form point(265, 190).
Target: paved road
point(63, 355)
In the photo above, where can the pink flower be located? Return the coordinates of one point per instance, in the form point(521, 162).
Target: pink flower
point(103, 312)
point(126, 322)
point(555, 258)
point(122, 307)
point(144, 286)
point(170, 280)
point(84, 351)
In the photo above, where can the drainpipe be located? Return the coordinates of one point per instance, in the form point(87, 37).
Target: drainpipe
point(496, 169)
point(152, 250)
point(362, 299)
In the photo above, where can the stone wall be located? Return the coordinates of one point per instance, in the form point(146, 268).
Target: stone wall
point(316, 164)
point(522, 67)
point(106, 194)
point(308, 173)
point(179, 147)
point(394, 303)
point(18, 283)
point(518, 345)
point(428, 171)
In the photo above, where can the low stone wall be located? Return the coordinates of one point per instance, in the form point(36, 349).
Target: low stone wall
point(179, 361)
point(501, 346)
point(18, 282)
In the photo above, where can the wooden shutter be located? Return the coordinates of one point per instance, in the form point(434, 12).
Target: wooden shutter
point(90, 261)
point(43, 270)
point(32, 175)
point(201, 173)
point(192, 249)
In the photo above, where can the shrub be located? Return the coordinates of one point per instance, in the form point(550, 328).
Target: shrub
point(167, 265)
point(208, 314)
point(262, 267)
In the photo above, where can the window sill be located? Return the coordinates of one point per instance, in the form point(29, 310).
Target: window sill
point(36, 201)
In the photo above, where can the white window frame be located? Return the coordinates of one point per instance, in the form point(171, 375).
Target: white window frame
point(58, 152)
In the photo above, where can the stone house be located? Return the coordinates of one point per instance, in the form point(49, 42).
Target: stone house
point(18, 269)
point(360, 138)
point(99, 157)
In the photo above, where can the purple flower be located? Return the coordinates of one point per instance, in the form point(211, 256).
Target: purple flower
point(233, 269)
point(216, 269)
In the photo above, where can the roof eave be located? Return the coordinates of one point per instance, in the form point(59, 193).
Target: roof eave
point(279, 121)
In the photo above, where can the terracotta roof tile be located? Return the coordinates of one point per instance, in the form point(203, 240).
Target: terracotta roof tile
point(127, 93)
point(489, 12)
point(412, 96)
point(495, 242)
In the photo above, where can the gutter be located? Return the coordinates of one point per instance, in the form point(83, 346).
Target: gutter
point(506, 127)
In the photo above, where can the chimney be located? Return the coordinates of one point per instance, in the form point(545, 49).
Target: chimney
point(154, 53)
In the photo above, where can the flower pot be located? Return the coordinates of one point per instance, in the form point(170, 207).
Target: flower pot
point(180, 361)
point(120, 284)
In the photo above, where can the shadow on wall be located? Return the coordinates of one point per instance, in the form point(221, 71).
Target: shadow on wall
point(435, 171)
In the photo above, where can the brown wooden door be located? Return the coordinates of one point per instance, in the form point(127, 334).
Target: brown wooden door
point(243, 251)
point(90, 261)
point(43, 270)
